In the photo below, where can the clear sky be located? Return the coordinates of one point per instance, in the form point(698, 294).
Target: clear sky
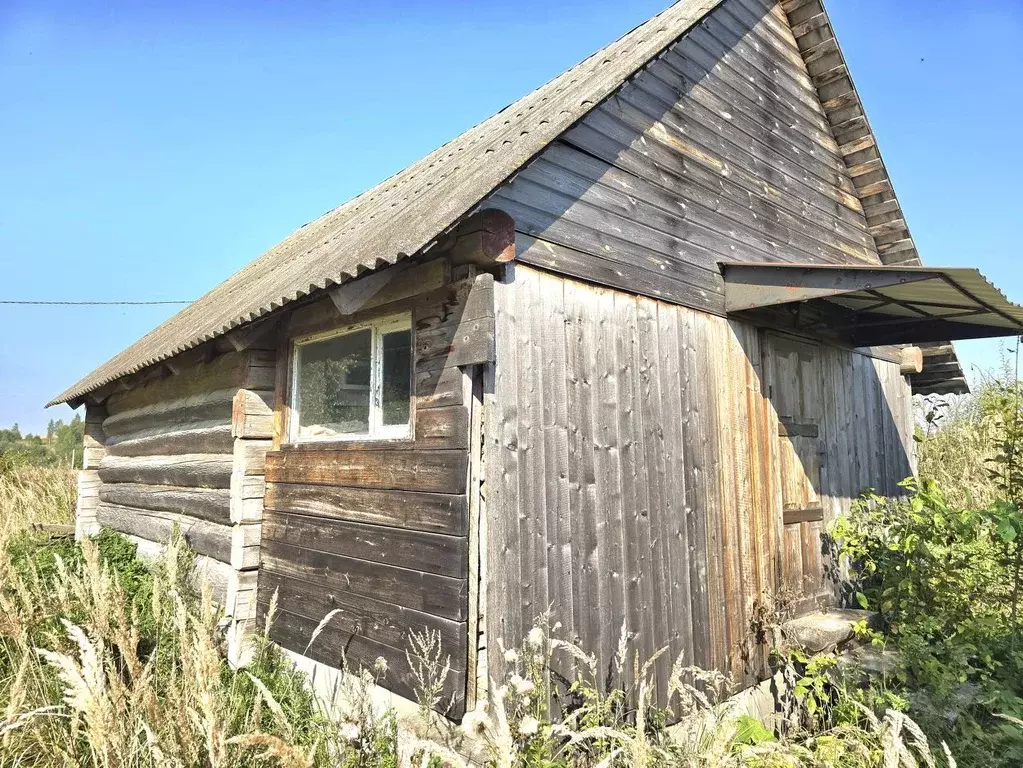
point(149, 150)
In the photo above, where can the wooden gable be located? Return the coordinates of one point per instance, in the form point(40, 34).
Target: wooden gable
point(720, 150)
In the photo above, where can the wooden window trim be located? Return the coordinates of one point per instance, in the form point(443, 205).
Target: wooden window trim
point(378, 434)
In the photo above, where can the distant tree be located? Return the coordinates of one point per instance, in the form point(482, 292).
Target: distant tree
point(65, 441)
point(62, 446)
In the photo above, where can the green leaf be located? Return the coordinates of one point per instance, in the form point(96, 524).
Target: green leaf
point(862, 600)
point(1006, 530)
point(750, 731)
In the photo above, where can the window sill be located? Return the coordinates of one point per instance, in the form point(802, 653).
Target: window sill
point(351, 444)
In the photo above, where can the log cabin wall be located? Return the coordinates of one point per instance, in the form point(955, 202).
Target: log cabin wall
point(719, 150)
point(379, 530)
point(632, 469)
point(187, 449)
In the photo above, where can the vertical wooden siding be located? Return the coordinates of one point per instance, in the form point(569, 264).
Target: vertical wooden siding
point(718, 151)
point(630, 474)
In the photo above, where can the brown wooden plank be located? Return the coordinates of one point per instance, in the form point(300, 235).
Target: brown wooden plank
point(806, 515)
point(437, 388)
point(430, 471)
point(428, 552)
point(361, 652)
point(436, 512)
point(384, 622)
point(437, 595)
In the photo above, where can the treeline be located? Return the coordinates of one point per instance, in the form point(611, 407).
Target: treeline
point(60, 447)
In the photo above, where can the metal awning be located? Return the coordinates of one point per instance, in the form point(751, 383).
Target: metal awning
point(869, 306)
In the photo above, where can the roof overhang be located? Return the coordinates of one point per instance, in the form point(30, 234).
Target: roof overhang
point(872, 306)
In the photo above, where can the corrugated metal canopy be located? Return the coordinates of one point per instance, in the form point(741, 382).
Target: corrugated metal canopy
point(874, 306)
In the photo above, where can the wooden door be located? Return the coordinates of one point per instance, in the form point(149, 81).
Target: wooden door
point(796, 392)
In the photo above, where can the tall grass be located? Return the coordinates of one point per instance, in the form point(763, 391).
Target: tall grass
point(36, 495)
point(105, 662)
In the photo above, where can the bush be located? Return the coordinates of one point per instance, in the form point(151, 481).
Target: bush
point(944, 580)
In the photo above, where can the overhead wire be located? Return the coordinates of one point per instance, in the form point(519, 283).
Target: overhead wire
point(90, 303)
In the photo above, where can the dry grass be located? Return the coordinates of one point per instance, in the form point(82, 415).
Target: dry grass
point(36, 495)
point(99, 669)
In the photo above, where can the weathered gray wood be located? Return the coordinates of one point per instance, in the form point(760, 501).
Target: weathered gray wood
point(362, 651)
point(204, 409)
point(438, 388)
point(430, 471)
point(203, 537)
point(167, 441)
point(436, 512)
point(193, 470)
point(438, 595)
point(252, 414)
point(201, 503)
point(428, 552)
point(384, 622)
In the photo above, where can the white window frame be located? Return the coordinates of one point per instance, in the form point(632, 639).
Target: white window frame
point(377, 429)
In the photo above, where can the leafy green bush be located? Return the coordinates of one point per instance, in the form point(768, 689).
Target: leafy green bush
point(944, 580)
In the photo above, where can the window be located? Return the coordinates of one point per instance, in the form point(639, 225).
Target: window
point(354, 383)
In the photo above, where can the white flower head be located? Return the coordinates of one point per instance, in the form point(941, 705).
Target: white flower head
point(380, 665)
point(350, 731)
point(528, 726)
point(511, 656)
point(475, 722)
point(523, 687)
point(535, 637)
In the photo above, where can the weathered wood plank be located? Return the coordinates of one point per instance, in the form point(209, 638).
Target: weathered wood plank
point(294, 632)
point(434, 512)
point(441, 554)
point(427, 592)
point(385, 622)
point(430, 471)
point(164, 442)
point(208, 504)
point(252, 414)
point(192, 470)
point(203, 537)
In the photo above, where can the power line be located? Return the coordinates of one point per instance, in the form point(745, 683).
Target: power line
point(91, 303)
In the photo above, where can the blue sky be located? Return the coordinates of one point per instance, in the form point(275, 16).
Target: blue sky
point(149, 150)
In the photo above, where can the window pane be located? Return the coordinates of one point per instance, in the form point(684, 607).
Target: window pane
point(333, 386)
point(397, 377)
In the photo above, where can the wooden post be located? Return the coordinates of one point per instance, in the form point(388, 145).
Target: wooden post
point(93, 450)
point(252, 428)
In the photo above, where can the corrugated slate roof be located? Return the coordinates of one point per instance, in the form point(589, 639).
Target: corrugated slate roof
point(408, 211)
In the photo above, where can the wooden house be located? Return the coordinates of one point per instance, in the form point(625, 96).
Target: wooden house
point(620, 351)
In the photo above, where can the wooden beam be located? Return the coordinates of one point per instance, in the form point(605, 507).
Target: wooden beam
point(389, 285)
point(486, 239)
point(912, 361)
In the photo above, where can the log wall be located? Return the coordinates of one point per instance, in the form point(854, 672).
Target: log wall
point(719, 150)
point(188, 450)
point(377, 533)
point(632, 470)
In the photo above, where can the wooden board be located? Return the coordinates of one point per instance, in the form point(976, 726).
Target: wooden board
point(429, 471)
point(436, 512)
point(417, 550)
point(439, 595)
point(650, 492)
